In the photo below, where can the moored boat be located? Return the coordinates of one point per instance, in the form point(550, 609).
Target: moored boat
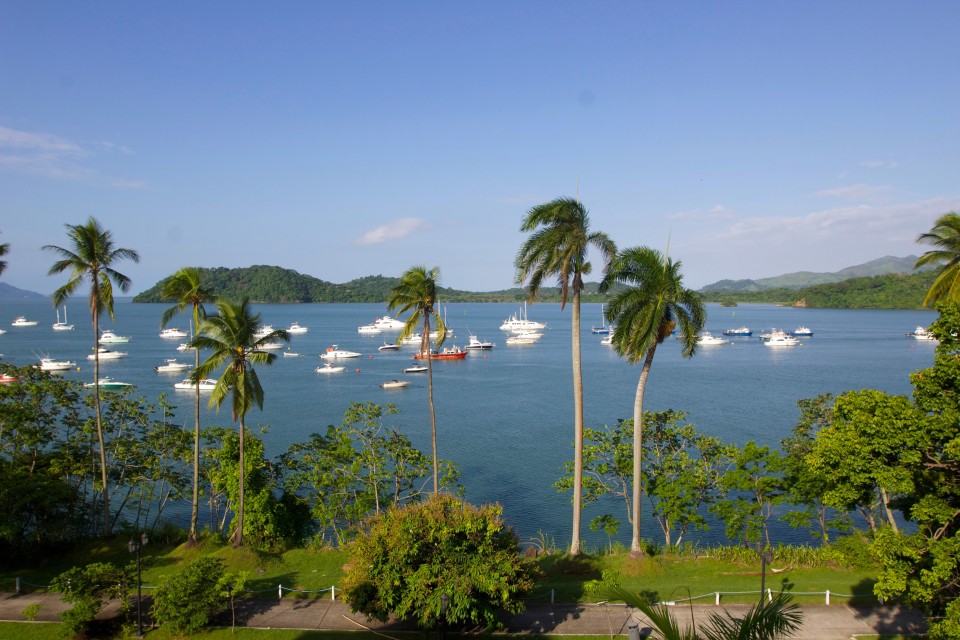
point(449, 353)
point(742, 332)
point(519, 323)
point(335, 352)
point(173, 332)
point(802, 332)
point(394, 384)
point(297, 328)
point(778, 338)
point(386, 323)
point(477, 343)
point(389, 346)
point(109, 337)
point(707, 339)
point(49, 364)
point(22, 321)
point(922, 333)
point(6, 378)
point(369, 329)
point(62, 326)
point(330, 368)
point(171, 365)
point(108, 383)
point(106, 354)
point(416, 368)
point(205, 384)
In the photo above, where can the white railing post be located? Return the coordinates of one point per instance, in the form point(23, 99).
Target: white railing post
point(333, 592)
point(769, 595)
point(552, 595)
point(718, 599)
point(828, 596)
point(279, 592)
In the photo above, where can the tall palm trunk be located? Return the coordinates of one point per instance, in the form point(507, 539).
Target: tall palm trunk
point(577, 423)
point(238, 533)
point(107, 524)
point(425, 341)
point(195, 507)
point(635, 547)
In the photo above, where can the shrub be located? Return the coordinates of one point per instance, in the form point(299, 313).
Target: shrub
point(188, 599)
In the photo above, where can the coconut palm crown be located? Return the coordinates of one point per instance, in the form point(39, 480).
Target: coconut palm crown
point(944, 236)
point(557, 248)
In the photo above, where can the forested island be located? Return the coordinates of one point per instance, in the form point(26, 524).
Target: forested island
point(271, 284)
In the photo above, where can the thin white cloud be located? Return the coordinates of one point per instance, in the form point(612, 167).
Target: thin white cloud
point(856, 192)
point(392, 231)
point(718, 212)
point(879, 164)
point(56, 158)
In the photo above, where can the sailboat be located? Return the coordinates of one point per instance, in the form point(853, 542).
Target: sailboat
point(603, 329)
point(62, 326)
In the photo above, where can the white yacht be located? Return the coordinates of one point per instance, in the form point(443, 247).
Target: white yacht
point(330, 368)
point(62, 326)
point(108, 383)
point(335, 352)
point(22, 321)
point(171, 365)
point(780, 338)
point(708, 339)
point(173, 332)
point(477, 343)
point(297, 328)
point(369, 329)
point(206, 384)
point(922, 333)
point(386, 323)
point(519, 323)
point(107, 354)
point(263, 331)
point(109, 337)
point(49, 364)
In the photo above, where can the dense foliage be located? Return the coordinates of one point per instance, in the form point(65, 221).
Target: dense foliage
point(412, 558)
point(892, 291)
point(193, 595)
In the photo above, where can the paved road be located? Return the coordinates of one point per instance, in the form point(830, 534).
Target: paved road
point(820, 622)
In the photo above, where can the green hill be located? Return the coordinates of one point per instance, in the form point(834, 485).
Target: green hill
point(799, 279)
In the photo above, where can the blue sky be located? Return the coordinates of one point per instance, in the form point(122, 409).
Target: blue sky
point(362, 138)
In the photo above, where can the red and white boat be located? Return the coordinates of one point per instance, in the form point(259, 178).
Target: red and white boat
point(450, 353)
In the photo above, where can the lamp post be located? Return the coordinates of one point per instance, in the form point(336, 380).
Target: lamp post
point(444, 603)
point(134, 546)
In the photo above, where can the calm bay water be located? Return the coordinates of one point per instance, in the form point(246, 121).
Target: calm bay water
point(505, 415)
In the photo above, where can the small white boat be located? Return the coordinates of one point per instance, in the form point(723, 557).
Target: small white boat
point(297, 328)
point(108, 383)
point(519, 323)
point(922, 333)
point(334, 353)
point(183, 347)
point(780, 338)
point(330, 368)
point(603, 329)
point(386, 323)
point(107, 354)
point(417, 368)
point(394, 384)
point(206, 384)
point(291, 354)
point(62, 326)
point(388, 346)
point(803, 332)
point(369, 329)
point(172, 332)
point(608, 340)
point(109, 337)
point(49, 364)
point(477, 343)
point(22, 321)
point(170, 365)
point(270, 346)
point(708, 339)
point(521, 339)
point(263, 331)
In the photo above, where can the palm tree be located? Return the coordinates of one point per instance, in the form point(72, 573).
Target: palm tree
point(417, 292)
point(945, 237)
point(4, 249)
point(232, 338)
point(775, 618)
point(91, 256)
point(645, 313)
point(557, 248)
point(186, 288)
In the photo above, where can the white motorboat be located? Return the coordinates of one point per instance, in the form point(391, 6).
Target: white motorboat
point(291, 354)
point(922, 333)
point(803, 332)
point(330, 368)
point(270, 346)
point(49, 364)
point(263, 331)
point(417, 368)
point(780, 338)
point(608, 340)
point(369, 329)
point(109, 337)
point(707, 339)
point(415, 338)
point(386, 323)
point(335, 352)
point(206, 384)
point(107, 354)
point(108, 383)
point(477, 343)
point(519, 323)
point(521, 338)
point(22, 321)
point(389, 346)
point(394, 384)
point(297, 328)
point(171, 365)
point(173, 332)
point(62, 326)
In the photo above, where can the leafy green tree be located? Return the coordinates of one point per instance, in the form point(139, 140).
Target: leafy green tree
point(944, 236)
point(862, 455)
point(754, 486)
point(769, 620)
point(417, 293)
point(88, 588)
point(923, 566)
point(232, 338)
point(410, 557)
point(557, 248)
point(648, 302)
point(187, 289)
point(4, 249)
point(187, 600)
point(805, 486)
point(92, 256)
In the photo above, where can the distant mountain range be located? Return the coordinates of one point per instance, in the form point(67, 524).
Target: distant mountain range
point(800, 279)
point(8, 292)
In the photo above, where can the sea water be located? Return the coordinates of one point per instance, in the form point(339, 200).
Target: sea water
point(505, 416)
